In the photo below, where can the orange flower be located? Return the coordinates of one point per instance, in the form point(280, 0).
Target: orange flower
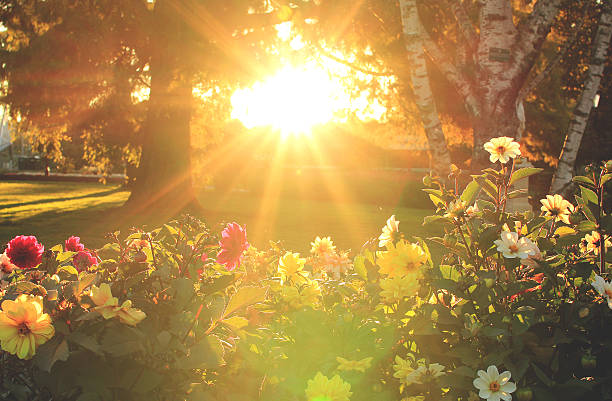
point(24, 326)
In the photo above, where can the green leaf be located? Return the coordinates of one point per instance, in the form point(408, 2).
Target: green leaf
point(245, 296)
point(487, 186)
point(236, 322)
point(605, 178)
point(580, 179)
point(207, 354)
point(85, 341)
point(586, 225)
point(359, 266)
point(523, 173)
point(450, 272)
point(51, 352)
point(85, 280)
point(589, 196)
point(470, 192)
point(67, 272)
point(564, 230)
point(542, 376)
point(518, 193)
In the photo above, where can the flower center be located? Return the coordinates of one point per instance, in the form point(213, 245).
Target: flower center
point(513, 248)
point(494, 387)
point(23, 329)
point(501, 150)
point(555, 211)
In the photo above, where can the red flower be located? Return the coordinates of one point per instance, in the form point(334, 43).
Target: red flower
point(25, 251)
point(83, 260)
point(233, 244)
point(73, 244)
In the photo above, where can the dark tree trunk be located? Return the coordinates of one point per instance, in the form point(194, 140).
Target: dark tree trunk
point(163, 181)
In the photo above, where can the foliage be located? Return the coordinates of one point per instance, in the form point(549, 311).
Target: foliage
point(517, 302)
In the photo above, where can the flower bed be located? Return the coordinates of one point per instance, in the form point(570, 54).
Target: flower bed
point(518, 307)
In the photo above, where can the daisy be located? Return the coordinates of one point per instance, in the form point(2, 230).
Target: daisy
point(604, 288)
point(494, 386)
point(512, 247)
point(389, 232)
point(503, 149)
point(557, 207)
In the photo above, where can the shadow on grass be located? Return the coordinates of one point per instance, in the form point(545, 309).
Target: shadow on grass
point(66, 198)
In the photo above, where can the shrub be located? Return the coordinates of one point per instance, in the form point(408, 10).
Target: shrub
point(517, 307)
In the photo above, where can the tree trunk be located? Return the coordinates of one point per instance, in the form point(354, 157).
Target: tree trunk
point(565, 170)
point(163, 181)
point(411, 26)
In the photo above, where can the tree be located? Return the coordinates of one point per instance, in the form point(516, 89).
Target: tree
point(67, 61)
point(565, 170)
point(488, 52)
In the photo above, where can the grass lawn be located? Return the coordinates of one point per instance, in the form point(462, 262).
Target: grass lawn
point(55, 210)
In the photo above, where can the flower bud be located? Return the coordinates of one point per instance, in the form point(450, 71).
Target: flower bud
point(608, 166)
point(524, 394)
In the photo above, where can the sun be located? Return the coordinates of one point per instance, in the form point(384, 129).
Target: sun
point(292, 101)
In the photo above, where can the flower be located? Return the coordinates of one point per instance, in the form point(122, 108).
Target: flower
point(534, 256)
point(424, 374)
point(404, 371)
point(604, 288)
point(456, 209)
point(503, 149)
point(106, 304)
point(557, 207)
point(389, 232)
point(6, 266)
point(592, 242)
point(73, 244)
point(394, 289)
point(130, 316)
point(306, 295)
point(323, 389)
point(360, 366)
point(322, 246)
point(400, 259)
point(334, 264)
point(25, 251)
point(493, 386)
point(512, 247)
point(233, 244)
point(291, 265)
point(83, 260)
point(24, 326)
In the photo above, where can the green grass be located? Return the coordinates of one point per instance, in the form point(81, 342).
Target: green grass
point(53, 211)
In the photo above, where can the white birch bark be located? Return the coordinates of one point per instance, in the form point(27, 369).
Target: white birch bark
point(565, 169)
point(411, 28)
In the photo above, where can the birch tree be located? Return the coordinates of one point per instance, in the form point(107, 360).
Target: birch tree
point(601, 44)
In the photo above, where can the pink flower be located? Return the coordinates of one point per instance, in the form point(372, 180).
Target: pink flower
point(73, 244)
point(233, 244)
point(83, 260)
point(25, 251)
point(6, 267)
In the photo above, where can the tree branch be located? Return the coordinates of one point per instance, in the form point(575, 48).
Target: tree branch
point(531, 84)
point(463, 20)
point(451, 73)
point(532, 33)
point(350, 64)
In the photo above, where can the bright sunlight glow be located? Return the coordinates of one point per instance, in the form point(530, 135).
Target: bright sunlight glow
point(292, 101)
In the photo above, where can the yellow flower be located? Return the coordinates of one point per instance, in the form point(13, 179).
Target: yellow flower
point(24, 326)
point(106, 304)
point(360, 366)
point(592, 242)
point(394, 289)
point(503, 149)
point(403, 371)
point(400, 259)
point(323, 389)
point(322, 246)
point(129, 315)
point(389, 232)
point(291, 265)
point(557, 207)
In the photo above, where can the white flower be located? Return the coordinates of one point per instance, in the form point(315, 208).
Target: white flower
point(455, 209)
point(472, 210)
point(493, 386)
point(604, 288)
point(534, 255)
point(389, 232)
point(512, 247)
point(503, 149)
